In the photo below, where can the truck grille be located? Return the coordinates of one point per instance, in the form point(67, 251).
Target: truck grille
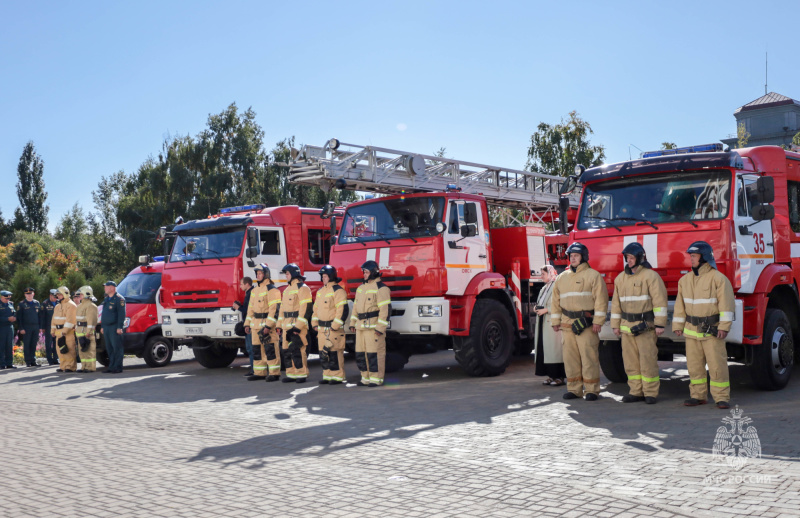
point(195, 297)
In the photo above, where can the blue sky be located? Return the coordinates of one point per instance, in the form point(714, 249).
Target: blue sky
point(99, 86)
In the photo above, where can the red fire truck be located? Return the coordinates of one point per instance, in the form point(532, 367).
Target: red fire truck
point(210, 256)
point(745, 203)
point(142, 335)
point(456, 282)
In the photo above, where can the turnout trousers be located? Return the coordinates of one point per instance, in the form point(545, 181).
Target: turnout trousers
point(67, 360)
point(269, 359)
point(371, 356)
point(333, 362)
point(640, 355)
point(89, 356)
point(581, 361)
point(709, 351)
point(295, 359)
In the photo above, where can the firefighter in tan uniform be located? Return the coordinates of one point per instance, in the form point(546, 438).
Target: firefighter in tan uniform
point(639, 315)
point(703, 314)
point(86, 321)
point(578, 308)
point(295, 313)
point(63, 329)
point(371, 311)
point(262, 317)
point(329, 316)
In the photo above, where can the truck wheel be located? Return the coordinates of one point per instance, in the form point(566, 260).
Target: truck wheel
point(215, 357)
point(611, 361)
point(102, 358)
point(157, 351)
point(488, 348)
point(773, 359)
point(395, 361)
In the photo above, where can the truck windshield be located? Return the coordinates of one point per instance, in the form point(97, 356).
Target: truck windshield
point(140, 288)
point(211, 246)
point(687, 196)
point(391, 219)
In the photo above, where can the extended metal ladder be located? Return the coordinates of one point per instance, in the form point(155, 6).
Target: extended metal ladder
point(381, 170)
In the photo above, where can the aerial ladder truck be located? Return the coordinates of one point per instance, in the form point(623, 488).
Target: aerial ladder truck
point(456, 280)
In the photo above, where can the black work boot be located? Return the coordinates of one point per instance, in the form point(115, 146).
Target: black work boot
point(300, 380)
point(650, 400)
point(253, 377)
point(335, 382)
point(591, 397)
point(272, 377)
point(323, 382)
point(287, 380)
point(571, 395)
point(724, 405)
point(632, 399)
point(694, 402)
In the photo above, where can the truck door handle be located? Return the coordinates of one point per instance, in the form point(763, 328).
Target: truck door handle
point(769, 244)
point(482, 256)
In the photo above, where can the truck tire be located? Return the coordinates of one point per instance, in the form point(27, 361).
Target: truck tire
point(215, 357)
point(395, 361)
point(488, 348)
point(157, 351)
point(773, 359)
point(611, 361)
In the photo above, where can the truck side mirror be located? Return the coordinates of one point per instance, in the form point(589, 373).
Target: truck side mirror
point(568, 185)
point(468, 230)
point(470, 214)
point(765, 185)
point(763, 212)
point(252, 236)
point(327, 211)
point(563, 210)
point(333, 230)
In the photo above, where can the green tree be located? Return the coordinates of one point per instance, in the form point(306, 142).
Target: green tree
point(6, 230)
point(30, 190)
point(668, 145)
point(74, 228)
point(557, 149)
point(796, 139)
point(742, 135)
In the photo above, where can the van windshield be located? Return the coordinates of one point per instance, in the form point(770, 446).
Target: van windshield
point(659, 198)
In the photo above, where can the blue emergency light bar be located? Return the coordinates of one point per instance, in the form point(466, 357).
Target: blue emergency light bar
point(242, 208)
point(705, 148)
point(158, 258)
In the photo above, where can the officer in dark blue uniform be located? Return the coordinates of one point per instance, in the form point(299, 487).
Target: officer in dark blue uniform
point(46, 320)
point(113, 321)
point(8, 316)
point(29, 320)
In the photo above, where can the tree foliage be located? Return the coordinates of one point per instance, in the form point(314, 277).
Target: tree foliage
point(557, 149)
point(742, 135)
point(668, 145)
point(30, 191)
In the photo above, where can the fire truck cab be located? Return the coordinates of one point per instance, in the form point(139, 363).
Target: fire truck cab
point(209, 258)
point(745, 203)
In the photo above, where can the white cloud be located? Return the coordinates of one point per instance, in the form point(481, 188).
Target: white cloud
point(402, 126)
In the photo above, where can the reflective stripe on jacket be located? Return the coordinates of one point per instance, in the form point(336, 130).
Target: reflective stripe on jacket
point(581, 290)
point(709, 293)
point(638, 293)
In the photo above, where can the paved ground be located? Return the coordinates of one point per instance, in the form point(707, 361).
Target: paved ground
point(188, 441)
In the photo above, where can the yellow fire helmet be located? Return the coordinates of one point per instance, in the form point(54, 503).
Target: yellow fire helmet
point(86, 291)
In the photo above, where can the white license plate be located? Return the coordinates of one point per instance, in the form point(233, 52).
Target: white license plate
point(194, 330)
